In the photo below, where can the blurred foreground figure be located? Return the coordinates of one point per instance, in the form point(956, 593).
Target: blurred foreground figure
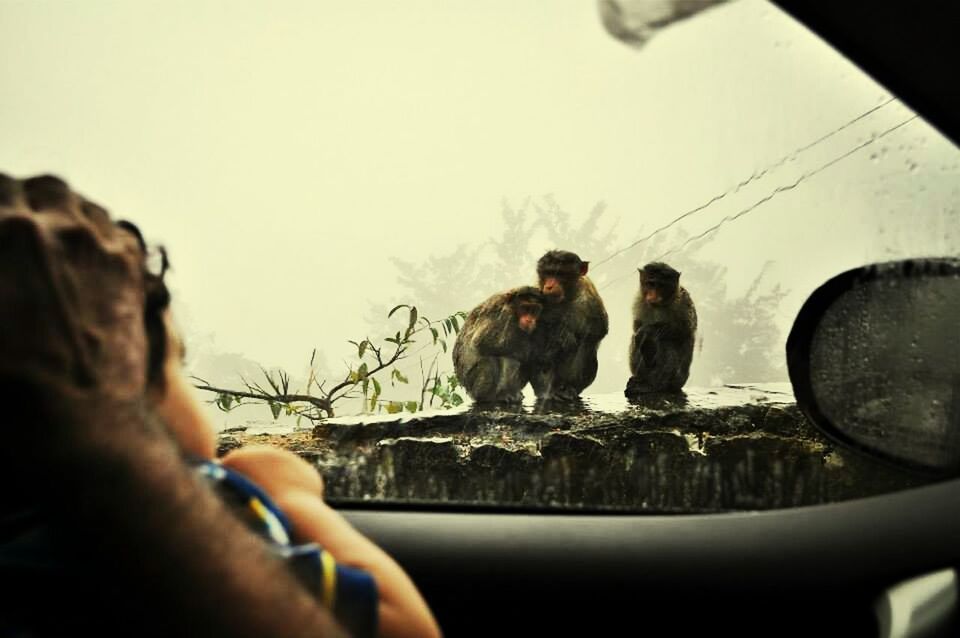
point(106, 527)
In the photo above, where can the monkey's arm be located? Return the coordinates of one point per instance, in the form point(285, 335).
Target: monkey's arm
point(654, 340)
point(673, 328)
point(496, 335)
point(593, 323)
point(644, 347)
point(648, 350)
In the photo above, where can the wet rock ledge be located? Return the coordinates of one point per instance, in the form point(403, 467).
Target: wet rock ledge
point(729, 448)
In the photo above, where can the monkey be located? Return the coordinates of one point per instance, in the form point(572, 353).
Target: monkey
point(573, 323)
point(664, 330)
point(493, 348)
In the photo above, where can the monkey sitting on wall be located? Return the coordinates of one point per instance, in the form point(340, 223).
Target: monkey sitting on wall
point(573, 323)
point(493, 348)
point(664, 326)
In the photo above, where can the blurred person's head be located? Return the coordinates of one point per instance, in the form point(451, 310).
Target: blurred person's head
point(166, 387)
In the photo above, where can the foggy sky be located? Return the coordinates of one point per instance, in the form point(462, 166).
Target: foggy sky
point(285, 151)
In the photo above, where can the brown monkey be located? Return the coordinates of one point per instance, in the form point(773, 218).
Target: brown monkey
point(493, 348)
point(573, 323)
point(664, 327)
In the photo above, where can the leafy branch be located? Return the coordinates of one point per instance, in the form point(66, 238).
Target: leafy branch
point(317, 400)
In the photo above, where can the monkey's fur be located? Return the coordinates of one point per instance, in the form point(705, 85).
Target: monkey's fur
point(572, 325)
point(493, 348)
point(664, 328)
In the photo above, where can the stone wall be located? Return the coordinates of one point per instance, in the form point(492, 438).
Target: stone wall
point(732, 448)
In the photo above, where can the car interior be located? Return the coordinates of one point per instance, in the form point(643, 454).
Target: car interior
point(314, 145)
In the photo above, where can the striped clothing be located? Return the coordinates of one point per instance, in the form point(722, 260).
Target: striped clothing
point(350, 594)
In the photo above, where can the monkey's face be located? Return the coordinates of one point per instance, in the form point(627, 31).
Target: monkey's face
point(553, 288)
point(656, 291)
point(651, 295)
point(527, 315)
point(559, 272)
point(658, 283)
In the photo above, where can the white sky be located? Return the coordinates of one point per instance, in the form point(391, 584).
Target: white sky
point(283, 151)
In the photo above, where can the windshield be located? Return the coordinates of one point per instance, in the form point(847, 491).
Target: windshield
point(339, 184)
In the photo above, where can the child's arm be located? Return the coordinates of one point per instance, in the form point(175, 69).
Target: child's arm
point(297, 489)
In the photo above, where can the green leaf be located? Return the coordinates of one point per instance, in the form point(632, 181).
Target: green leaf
point(362, 348)
point(400, 377)
point(456, 326)
point(413, 319)
point(394, 406)
point(456, 399)
point(436, 335)
point(444, 344)
point(362, 371)
point(226, 400)
point(366, 385)
point(411, 406)
point(447, 328)
point(275, 409)
point(396, 308)
point(373, 401)
point(376, 386)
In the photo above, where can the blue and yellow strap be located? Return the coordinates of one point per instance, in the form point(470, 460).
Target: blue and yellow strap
point(350, 594)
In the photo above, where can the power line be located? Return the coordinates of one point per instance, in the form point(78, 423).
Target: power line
point(754, 177)
point(771, 195)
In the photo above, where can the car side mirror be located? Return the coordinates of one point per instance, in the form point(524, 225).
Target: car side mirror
point(874, 359)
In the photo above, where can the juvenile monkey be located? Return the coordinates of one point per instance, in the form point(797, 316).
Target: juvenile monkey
point(664, 327)
point(493, 348)
point(573, 323)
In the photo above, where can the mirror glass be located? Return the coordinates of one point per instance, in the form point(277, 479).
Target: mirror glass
point(885, 363)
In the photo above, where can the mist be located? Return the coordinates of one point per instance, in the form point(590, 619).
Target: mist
point(309, 166)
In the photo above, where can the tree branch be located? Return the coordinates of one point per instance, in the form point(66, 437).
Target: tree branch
point(320, 403)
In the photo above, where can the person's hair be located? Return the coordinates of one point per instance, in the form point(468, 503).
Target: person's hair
point(41, 193)
point(157, 300)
